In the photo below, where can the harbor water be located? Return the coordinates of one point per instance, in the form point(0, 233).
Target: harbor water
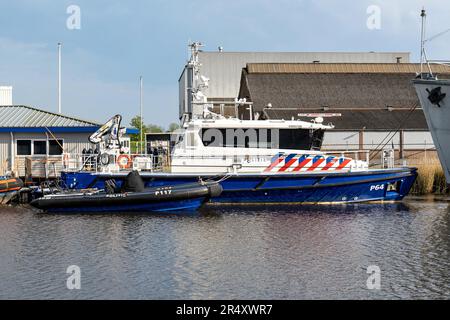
point(231, 252)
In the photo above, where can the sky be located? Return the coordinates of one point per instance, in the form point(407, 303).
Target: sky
point(118, 41)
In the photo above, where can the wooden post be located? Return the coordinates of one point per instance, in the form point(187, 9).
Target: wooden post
point(361, 143)
point(402, 141)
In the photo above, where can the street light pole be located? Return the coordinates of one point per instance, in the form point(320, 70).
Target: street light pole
point(140, 107)
point(59, 77)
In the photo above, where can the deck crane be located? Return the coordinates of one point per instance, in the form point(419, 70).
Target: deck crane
point(108, 144)
point(109, 133)
point(113, 155)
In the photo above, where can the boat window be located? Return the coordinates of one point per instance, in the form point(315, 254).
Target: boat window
point(237, 138)
point(302, 139)
point(40, 147)
point(125, 143)
point(55, 147)
point(23, 147)
point(299, 139)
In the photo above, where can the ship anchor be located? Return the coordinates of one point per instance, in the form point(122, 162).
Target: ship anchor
point(436, 96)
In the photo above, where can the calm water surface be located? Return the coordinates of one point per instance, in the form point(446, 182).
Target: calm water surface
point(274, 252)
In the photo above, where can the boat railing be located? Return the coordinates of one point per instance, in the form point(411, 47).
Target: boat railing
point(373, 158)
point(94, 162)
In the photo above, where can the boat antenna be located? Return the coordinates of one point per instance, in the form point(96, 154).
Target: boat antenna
point(59, 77)
point(423, 54)
point(422, 39)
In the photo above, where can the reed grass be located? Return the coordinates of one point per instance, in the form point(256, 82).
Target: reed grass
point(430, 179)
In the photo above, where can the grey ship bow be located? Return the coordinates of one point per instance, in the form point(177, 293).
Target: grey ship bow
point(434, 97)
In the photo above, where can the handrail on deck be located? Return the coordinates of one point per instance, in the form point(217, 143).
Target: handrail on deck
point(94, 162)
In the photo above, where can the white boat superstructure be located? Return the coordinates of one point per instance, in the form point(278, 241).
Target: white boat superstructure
point(213, 143)
point(255, 146)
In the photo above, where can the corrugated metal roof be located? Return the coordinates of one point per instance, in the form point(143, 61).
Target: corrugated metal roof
point(357, 119)
point(26, 117)
point(333, 90)
point(225, 68)
point(342, 68)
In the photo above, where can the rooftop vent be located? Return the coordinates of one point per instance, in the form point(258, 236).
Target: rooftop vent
point(5, 96)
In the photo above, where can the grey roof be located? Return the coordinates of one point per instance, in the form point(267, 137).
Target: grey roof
point(369, 119)
point(224, 68)
point(333, 90)
point(374, 97)
point(411, 68)
point(26, 117)
point(341, 87)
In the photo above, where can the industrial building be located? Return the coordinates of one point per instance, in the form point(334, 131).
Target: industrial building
point(368, 95)
point(32, 141)
point(5, 95)
point(366, 102)
point(224, 71)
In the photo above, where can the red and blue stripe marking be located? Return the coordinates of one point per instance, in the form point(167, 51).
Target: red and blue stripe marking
point(294, 162)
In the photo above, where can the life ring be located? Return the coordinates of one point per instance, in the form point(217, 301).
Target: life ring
point(104, 159)
point(124, 161)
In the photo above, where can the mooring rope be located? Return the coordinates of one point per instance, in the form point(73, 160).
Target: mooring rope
point(377, 151)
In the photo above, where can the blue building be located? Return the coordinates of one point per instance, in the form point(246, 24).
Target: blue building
point(32, 141)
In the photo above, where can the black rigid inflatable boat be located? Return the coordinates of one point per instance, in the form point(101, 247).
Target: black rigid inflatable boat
point(132, 196)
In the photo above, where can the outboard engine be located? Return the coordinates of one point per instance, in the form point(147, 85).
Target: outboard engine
point(133, 183)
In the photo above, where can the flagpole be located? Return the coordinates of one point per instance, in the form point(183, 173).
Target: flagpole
point(140, 107)
point(59, 77)
point(422, 39)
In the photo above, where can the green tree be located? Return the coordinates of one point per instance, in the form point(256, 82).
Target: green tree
point(153, 128)
point(173, 127)
point(136, 144)
point(136, 122)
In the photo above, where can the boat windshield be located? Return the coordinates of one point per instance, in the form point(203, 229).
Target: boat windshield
point(297, 139)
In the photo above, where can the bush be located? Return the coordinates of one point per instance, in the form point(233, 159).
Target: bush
point(430, 179)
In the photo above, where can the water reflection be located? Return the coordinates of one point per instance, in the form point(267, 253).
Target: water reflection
point(231, 252)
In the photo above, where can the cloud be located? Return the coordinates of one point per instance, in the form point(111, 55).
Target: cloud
point(119, 41)
point(32, 71)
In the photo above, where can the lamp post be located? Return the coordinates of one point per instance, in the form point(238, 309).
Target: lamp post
point(142, 120)
point(59, 77)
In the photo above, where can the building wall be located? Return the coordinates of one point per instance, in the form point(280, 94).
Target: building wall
point(5, 95)
point(182, 93)
point(418, 140)
point(5, 142)
point(73, 143)
point(350, 140)
point(418, 147)
point(224, 68)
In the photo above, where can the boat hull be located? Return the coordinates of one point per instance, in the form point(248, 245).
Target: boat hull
point(9, 189)
point(437, 116)
point(162, 199)
point(317, 188)
point(170, 206)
